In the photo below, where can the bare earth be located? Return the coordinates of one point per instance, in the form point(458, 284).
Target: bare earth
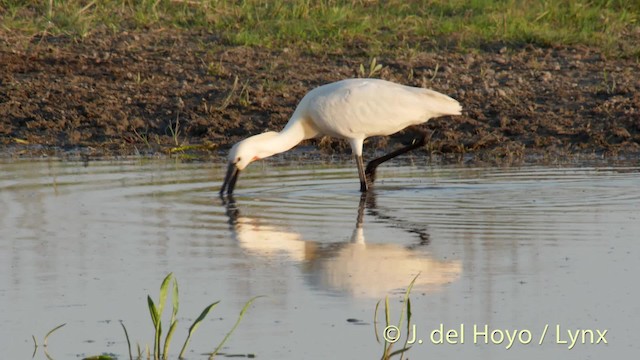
point(128, 93)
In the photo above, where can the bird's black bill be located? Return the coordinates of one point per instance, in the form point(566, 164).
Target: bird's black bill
point(230, 179)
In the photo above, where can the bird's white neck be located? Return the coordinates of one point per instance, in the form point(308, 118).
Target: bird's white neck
point(290, 136)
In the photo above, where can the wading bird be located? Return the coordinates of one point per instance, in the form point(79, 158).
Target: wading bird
point(352, 109)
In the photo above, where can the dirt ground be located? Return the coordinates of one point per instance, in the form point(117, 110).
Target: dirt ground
point(151, 92)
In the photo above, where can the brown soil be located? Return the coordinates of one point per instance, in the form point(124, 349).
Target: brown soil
point(122, 94)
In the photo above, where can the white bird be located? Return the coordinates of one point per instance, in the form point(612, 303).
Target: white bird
point(352, 109)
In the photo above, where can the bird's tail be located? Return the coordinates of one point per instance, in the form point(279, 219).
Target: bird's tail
point(442, 105)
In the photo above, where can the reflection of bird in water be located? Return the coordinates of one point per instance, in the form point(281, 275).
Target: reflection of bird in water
point(261, 239)
point(352, 109)
point(356, 267)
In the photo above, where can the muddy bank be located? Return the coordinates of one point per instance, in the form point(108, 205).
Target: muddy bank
point(151, 92)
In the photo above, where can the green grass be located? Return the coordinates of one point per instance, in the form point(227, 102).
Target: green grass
point(156, 309)
point(611, 25)
point(396, 330)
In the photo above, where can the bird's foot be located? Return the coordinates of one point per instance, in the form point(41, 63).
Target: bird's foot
point(364, 186)
point(370, 173)
point(371, 178)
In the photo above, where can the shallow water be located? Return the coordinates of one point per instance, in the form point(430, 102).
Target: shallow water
point(513, 249)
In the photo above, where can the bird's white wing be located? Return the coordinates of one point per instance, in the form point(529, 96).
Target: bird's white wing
point(359, 108)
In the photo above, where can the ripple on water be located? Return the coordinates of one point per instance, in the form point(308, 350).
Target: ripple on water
point(488, 242)
point(458, 199)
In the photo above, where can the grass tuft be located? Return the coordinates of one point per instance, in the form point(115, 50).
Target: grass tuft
point(162, 351)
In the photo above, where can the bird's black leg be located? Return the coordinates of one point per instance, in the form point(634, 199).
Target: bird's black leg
point(363, 179)
point(370, 173)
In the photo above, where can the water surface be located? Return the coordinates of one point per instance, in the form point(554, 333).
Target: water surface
point(513, 249)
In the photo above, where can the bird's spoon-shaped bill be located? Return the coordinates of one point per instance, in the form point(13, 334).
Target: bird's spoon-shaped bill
point(230, 179)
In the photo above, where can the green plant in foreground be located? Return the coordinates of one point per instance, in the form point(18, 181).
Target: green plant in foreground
point(156, 317)
point(387, 352)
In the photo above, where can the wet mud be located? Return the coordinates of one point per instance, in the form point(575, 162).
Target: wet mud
point(151, 92)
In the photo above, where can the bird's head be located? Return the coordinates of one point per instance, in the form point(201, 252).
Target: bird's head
point(244, 153)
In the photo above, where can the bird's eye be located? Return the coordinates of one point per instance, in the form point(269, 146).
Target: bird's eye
point(238, 159)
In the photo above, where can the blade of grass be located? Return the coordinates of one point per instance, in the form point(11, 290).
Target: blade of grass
point(153, 311)
point(174, 322)
point(86, 7)
point(375, 322)
point(126, 335)
point(244, 309)
point(195, 325)
point(406, 296)
point(387, 353)
point(156, 314)
point(400, 351)
point(35, 347)
point(174, 301)
point(155, 317)
point(51, 332)
point(406, 340)
point(387, 318)
point(163, 293)
point(167, 341)
point(229, 97)
point(157, 354)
